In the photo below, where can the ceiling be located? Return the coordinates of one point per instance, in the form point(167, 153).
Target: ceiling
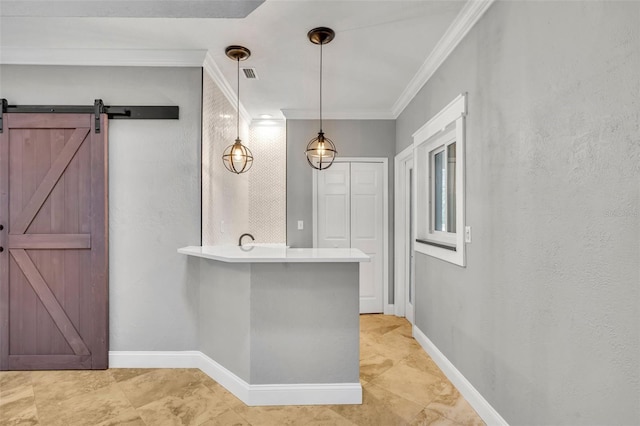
point(379, 47)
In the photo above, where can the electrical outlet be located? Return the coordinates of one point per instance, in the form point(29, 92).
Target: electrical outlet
point(467, 234)
point(300, 225)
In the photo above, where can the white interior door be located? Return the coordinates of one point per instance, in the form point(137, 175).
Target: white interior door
point(366, 231)
point(350, 213)
point(334, 206)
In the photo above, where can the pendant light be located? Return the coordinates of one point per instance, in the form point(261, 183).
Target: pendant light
point(320, 150)
point(237, 158)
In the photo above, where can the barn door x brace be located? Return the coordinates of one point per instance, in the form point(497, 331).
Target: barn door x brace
point(113, 112)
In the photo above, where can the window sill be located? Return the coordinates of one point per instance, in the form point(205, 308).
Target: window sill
point(451, 254)
point(437, 244)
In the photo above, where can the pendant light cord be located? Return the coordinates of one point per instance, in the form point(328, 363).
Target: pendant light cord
point(238, 101)
point(321, 87)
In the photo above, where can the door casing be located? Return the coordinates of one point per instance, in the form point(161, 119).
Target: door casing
point(401, 236)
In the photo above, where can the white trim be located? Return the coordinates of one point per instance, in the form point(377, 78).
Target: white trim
point(305, 394)
point(455, 109)
point(388, 308)
point(252, 395)
point(102, 57)
point(216, 75)
point(400, 239)
point(425, 140)
point(463, 22)
point(490, 416)
point(312, 114)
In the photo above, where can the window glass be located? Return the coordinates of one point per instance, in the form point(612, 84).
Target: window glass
point(451, 188)
point(440, 192)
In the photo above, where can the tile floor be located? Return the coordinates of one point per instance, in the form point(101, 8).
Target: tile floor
point(401, 386)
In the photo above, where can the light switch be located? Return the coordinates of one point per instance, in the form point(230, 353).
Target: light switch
point(467, 234)
point(300, 225)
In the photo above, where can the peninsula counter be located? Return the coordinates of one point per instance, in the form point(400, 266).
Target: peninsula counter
point(280, 326)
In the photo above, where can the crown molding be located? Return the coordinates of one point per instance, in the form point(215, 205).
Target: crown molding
point(312, 114)
point(102, 57)
point(216, 75)
point(463, 22)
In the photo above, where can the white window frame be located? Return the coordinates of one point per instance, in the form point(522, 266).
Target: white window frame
point(440, 144)
point(439, 132)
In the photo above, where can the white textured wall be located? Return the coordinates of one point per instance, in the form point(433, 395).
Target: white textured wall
point(225, 195)
point(268, 184)
point(545, 319)
point(154, 193)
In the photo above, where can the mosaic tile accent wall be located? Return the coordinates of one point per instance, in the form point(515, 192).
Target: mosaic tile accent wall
point(225, 195)
point(268, 184)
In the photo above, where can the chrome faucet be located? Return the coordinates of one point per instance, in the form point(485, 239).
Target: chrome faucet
point(245, 235)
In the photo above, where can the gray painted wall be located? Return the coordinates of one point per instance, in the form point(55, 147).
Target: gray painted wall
point(305, 325)
point(225, 314)
point(353, 138)
point(544, 321)
point(154, 192)
point(272, 323)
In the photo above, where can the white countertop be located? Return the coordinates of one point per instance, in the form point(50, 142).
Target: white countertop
point(264, 254)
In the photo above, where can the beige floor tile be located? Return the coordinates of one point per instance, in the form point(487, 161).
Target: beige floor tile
point(373, 366)
point(452, 405)
point(401, 386)
point(17, 406)
point(379, 407)
point(411, 383)
point(105, 406)
point(54, 386)
point(12, 379)
point(428, 417)
point(394, 346)
point(279, 415)
point(421, 361)
point(125, 419)
point(230, 399)
point(328, 417)
point(122, 374)
point(194, 407)
point(403, 407)
point(378, 324)
point(26, 418)
point(15, 400)
point(404, 330)
point(228, 418)
point(157, 384)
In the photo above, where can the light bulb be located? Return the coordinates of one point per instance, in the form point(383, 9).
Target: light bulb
point(237, 154)
point(321, 150)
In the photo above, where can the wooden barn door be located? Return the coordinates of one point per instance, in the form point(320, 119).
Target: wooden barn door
point(53, 263)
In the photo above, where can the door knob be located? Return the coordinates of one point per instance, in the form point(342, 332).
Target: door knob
point(1, 227)
point(1, 249)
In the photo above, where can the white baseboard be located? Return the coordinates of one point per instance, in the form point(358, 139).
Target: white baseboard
point(305, 394)
point(252, 395)
point(466, 389)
